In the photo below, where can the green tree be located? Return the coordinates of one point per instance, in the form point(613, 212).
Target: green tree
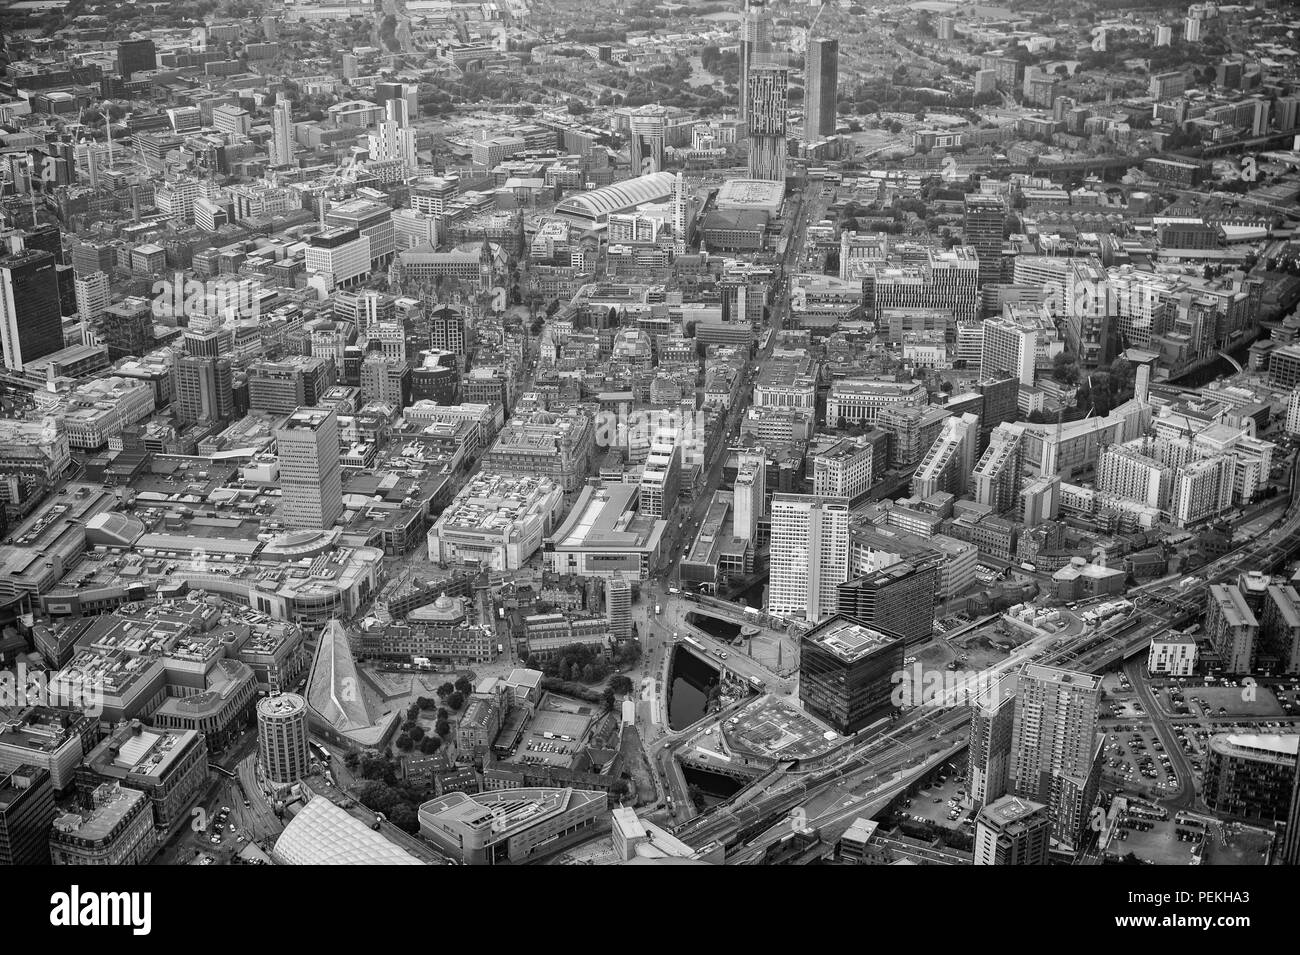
point(621, 685)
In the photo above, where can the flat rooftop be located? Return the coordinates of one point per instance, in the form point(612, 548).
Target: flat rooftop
point(772, 728)
point(849, 640)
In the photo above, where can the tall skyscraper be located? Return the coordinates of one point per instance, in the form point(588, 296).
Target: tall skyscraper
point(204, 389)
point(1291, 839)
point(308, 445)
point(821, 80)
point(985, 219)
point(618, 606)
point(1009, 348)
point(898, 598)
point(1012, 831)
point(809, 554)
point(749, 493)
point(1057, 749)
point(282, 144)
point(755, 44)
point(846, 672)
point(679, 215)
point(992, 722)
point(282, 738)
point(136, 56)
point(31, 318)
point(648, 131)
point(47, 238)
point(26, 814)
point(768, 88)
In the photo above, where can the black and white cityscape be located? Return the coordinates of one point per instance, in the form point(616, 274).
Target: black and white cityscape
point(592, 433)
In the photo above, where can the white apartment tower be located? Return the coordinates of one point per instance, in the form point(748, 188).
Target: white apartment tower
point(809, 555)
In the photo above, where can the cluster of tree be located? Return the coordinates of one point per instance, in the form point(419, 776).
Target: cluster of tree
point(388, 33)
point(578, 663)
point(577, 690)
point(725, 65)
point(399, 803)
point(1065, 369)
point(596, 36)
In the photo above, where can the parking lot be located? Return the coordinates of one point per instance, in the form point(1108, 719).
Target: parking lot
point(941, 804)
point(1135, 758)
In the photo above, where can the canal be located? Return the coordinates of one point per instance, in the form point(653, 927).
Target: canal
point(692, 683)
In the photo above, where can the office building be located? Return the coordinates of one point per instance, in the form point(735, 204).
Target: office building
point(648, 132)
point(985, 221)
point(1057, 757)
point(282, 738)
point(340, 256)
point(898, 598)
point(278, 387)
point(447, 330)
point(125, 327)
point(204, 389)
point(660, 479)
point(31, 315)
point(768, 89)
point(821, 79)
point(26, 812)
point(846, 672)
point(371, 219)
point(308, 446)
point(136, 56)
point(809, 555)
point(91, 291)
point(168, 766)
point(1012, 831)
point(116, 827)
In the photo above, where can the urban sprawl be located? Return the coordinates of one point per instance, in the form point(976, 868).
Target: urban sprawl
point(538, 431)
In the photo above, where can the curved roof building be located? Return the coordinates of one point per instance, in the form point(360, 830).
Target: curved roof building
point(336, 695)
point(324, 834)
point(591, 209)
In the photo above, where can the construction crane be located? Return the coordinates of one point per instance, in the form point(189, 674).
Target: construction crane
point(808, 33)
point(346, 172)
